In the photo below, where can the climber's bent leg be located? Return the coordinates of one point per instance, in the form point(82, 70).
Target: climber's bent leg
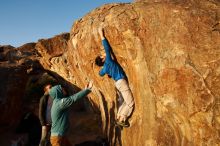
point(126, 108)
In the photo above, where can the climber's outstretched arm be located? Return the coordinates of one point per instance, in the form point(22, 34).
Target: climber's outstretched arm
point(101, 33)
point(105, 44)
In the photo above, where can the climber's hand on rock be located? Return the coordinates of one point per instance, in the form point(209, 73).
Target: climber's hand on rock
point(101, 32)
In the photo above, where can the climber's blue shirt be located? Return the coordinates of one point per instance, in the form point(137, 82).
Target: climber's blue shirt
point(111, 67)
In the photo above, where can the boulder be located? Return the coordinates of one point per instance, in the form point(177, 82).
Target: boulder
point(170, 53)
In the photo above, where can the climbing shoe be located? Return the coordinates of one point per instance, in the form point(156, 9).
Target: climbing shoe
point(123, 124)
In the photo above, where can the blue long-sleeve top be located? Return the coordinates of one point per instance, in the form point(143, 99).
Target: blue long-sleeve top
point(111, 67)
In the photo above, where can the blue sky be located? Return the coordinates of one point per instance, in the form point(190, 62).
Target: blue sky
point(24, 21)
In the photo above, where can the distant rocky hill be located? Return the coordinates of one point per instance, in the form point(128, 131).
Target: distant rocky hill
point(170, 51)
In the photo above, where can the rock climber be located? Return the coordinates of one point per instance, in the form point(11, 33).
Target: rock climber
point(115, 71)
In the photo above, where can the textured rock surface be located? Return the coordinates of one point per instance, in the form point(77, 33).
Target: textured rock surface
point(170, 51)
point(171, 55)
point(22, 80)
point(15, 65)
